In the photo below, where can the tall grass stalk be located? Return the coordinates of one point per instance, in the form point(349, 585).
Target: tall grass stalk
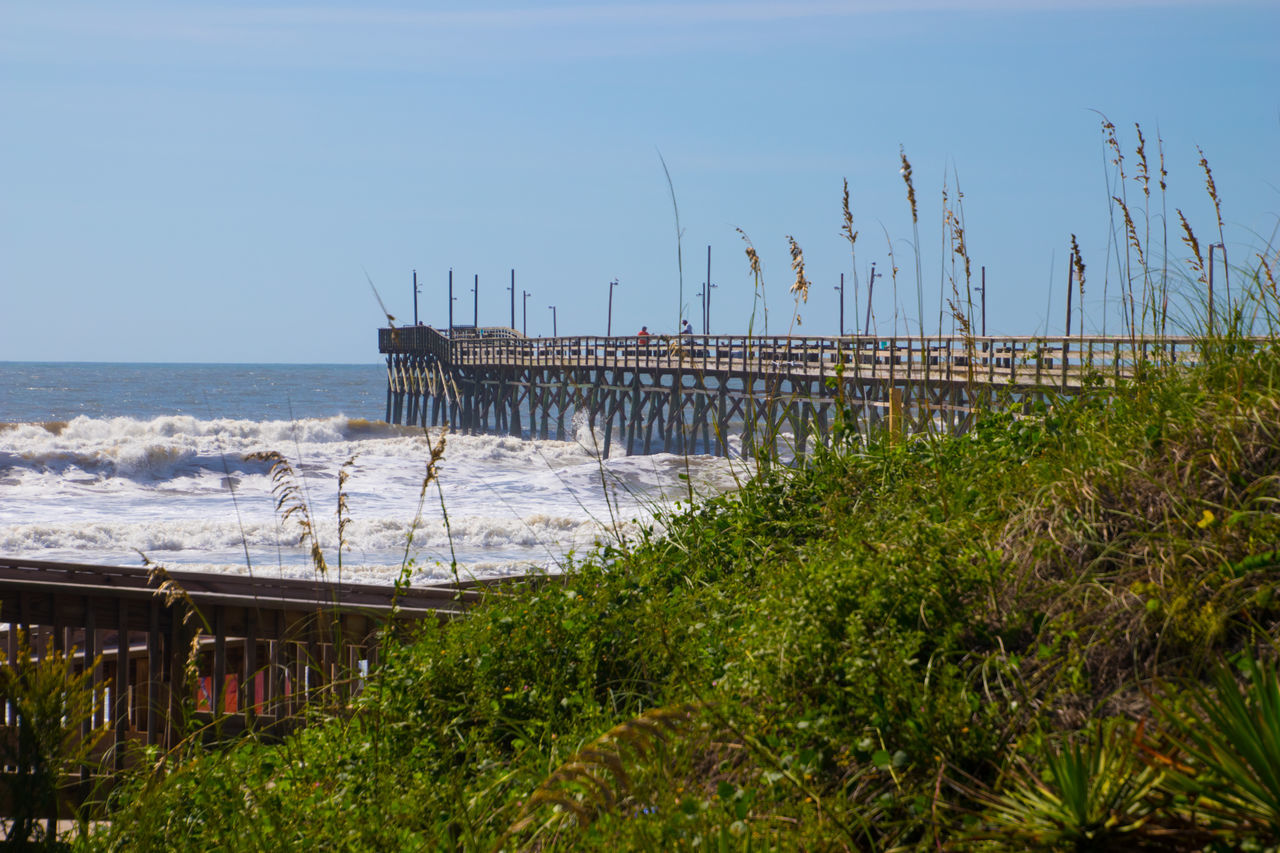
point(1164, 238)
point(343, 511)
point(1212, 189)
point(1128, 234)
point(851, 235)
point(961, 307)
point(800, 287)
point(675, 208)
point(1197, 264)
point(1077, 265)
point(905, 171)
point(1150, 316)
point(758, 299)
point(893, 280)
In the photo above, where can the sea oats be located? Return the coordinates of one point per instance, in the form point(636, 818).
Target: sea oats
point(1211, 187)
point(1267, 272)
point(1131, 230)
point(1188, 236)
point(753, 259)
point(291, 502)
point(801, 286)
point(960, 248)
point(1164, 174)
point(1144, 176)
point(344, 511)
point(1077, 263)
point(1217, 210)
point(905, 171)
point(170, 590)
point(1117, 156)
point(847, 228)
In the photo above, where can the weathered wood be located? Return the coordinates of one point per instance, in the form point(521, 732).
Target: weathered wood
point(155, 673)
point(134, 638)
point(120, 689)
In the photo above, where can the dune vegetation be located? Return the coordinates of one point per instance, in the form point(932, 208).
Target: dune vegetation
point(1056, 631)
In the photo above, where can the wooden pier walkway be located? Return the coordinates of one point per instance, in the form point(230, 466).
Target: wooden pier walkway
point(687, 392)
point(261, 648)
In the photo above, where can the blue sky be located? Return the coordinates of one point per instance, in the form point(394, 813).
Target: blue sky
point(211, 181)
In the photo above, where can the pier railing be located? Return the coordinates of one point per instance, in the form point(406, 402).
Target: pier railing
point(418, 340)
point(1064, 362)
point(260, 648)
point(470, 333)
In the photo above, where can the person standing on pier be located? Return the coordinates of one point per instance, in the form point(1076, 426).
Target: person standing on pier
point(686, 329)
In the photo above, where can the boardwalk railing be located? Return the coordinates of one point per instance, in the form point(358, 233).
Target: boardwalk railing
point(681, 392)
point(261, 648)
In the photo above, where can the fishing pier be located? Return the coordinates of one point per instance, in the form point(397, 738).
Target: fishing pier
point(721, 393)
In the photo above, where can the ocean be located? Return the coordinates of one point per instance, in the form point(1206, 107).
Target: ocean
point(102, 463)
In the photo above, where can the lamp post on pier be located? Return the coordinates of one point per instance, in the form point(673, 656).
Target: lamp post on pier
point(840, 288)
point(871, 286)
point(524, 303)
point(706, 305)
point(512, 288)
point(554, 332)
point(416, 291)
point(982, 289)
point(451, 303)
point(475, 290)
point(608, 326)
point(706, 297)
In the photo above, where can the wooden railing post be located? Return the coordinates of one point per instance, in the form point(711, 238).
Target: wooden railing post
point(120, 689)
point(897, 429)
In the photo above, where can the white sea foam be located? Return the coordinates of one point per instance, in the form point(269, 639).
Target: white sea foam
point(181, 490)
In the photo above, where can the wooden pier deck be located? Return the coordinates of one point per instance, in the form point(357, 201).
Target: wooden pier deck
point(262, 648)
point(678, 393)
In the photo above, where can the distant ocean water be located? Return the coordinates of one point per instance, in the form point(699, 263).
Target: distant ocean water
point(99, 462)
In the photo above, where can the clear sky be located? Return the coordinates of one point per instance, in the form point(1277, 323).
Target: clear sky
point(210, 181)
